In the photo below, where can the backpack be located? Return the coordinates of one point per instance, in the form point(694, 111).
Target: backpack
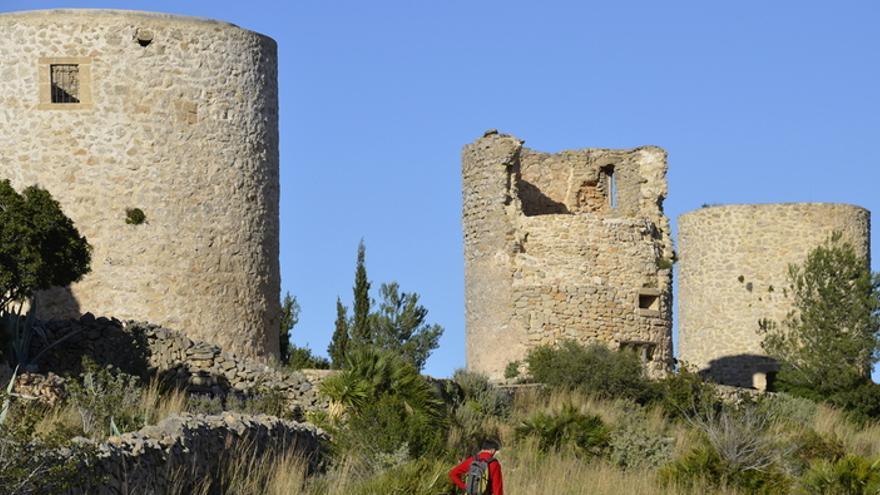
point(477, 479)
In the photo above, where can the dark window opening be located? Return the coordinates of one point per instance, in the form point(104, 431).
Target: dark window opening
point(649, 300)
point(610, 185)
point(65, 83)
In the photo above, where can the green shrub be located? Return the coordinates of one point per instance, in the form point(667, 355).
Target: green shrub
point(38, 464)
point(861, 401)
point(634, 445)
point(811, 446)
point(851, 475)
point(511, 371)
point(787, 409)
point(704, 466)
point(385, 403)
point(481, 396)
point(595, 369)
point(106, 398)
point(568, 427)
point(301, 358)
point(39, 245)
point(204, 404)
point(135, 216)
point(685, 394)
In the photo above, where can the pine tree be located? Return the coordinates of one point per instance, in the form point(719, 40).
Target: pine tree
point(399, 326)
point(360, 331)
point(339, 344)
point(830, 341)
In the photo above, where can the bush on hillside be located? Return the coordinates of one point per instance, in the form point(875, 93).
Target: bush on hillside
point(851, 475)
point(586, 433)
point(40, 464)
point(633, 445)
point(595, 369)
point(685, 394)
point(380, 402)
point(106, 400)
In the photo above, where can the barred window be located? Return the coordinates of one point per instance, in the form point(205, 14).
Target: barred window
point(65, 83)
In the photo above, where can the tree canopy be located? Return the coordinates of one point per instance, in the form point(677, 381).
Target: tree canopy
point(39, 245)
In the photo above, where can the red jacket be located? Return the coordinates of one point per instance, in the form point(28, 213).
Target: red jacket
point(496, 484)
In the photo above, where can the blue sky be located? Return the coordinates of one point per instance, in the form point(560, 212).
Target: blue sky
point(755, 101)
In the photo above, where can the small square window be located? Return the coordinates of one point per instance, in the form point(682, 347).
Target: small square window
point(65, 85)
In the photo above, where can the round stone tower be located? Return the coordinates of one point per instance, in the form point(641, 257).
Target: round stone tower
point(178, 117)
point(733, 272)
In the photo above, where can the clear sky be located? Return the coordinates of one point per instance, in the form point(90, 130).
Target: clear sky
point(755, 101)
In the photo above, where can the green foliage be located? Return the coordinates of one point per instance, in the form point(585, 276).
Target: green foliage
point(289, 318)
point(568, 427)
point(302, 358)
point(511, 371)
point(420, 477)
point(105, 395)
point(479, 401)
point(705, 465)
point(40, 464)
point(634, 446)
point(787, 409)
point(594, 369)
point(811, 446)
point(481, 396)
point(828, 343)
point(384, 403)
point(851, 475)
point(399, 326)
point(340, 342)
point(39, 245)
point(685, 394)
point(360, 327)
point(135, 216)
point(861, 401)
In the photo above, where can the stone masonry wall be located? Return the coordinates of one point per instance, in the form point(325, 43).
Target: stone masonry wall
point(177, 116)
point(146, 349)
point(733, 272)
point(174, 455)
point(550, 257)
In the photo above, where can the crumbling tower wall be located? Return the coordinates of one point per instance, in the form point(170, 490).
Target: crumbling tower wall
point(565, 246)
point(733, 272)
point(177, 116)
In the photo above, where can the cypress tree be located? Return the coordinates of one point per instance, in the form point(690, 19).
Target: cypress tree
point(339, 344)
point(360, 331)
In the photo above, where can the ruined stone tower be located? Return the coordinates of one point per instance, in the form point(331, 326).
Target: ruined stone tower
point(572, 245)
point(733, 272)
point(177, 116)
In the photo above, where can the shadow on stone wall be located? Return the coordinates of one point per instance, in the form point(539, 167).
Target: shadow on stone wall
point(740, 370)
point(534, 202)
point(57, 303)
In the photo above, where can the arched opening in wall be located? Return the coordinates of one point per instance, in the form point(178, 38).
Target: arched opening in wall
point(610, 182)
point(143, 37)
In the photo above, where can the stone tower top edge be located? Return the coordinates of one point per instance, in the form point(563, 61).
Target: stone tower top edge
point(744, 207)
point(91, 14)
point(494, 133)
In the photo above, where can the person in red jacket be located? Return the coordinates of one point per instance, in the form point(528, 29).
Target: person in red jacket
point(488, 450)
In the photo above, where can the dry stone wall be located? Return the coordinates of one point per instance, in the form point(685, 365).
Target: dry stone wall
point(733, 272)
point(566, 246)
point(176, 454)
point(176, 116)
point(150, 350)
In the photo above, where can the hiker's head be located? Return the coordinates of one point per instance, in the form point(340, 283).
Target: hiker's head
point(490, 445)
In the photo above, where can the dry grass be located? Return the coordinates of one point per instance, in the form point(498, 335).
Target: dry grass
point(861, 440)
